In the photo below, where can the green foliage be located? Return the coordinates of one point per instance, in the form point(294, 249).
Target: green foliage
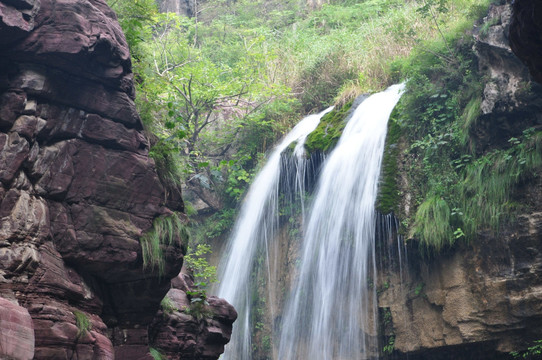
point(195, 261)
point(418, 290)
point(390, 346)
point(166, 231)
point(216, 225)
point(329, 130)
point(490, 179)
point(204, 274)
point(82, 322)
point(533, 352)
point(199, 307)
point(134, 17)
point(457, 189)
point(156, 354)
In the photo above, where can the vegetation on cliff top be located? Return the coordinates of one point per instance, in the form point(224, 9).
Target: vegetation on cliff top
point(219, 88)
point(459, 188)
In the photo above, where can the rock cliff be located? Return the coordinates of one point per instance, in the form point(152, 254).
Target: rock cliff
point(77, 190)
point(481, 300)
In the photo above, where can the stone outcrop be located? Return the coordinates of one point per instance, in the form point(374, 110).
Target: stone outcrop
point(511, 100)
point(192, 331)
point(482, 300)
point(77, 188)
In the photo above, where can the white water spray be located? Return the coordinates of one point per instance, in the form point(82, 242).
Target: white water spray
point(254, 231)
point(332, 309)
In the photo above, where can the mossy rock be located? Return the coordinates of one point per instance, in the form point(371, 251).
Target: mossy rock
point(329, 130)
point(388, 197)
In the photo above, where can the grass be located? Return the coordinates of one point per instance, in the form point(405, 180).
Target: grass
point(489, 182)
point(432, 223)
point(165, 232)
point(459, 191)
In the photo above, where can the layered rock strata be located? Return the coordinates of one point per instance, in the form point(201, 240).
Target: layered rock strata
point(77, 188)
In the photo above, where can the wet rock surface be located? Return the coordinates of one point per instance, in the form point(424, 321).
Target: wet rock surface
point(77, 188)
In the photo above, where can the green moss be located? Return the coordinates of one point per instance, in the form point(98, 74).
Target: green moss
point(82, 322)
point(388, 190)
point(165, 231)
point(329, 130)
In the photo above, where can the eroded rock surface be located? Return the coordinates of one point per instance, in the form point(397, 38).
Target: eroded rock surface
point(77, 188)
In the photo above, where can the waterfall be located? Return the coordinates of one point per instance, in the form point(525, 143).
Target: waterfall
point(331, 312)
point(255, 231)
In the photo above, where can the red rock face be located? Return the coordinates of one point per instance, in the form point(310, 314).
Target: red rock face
point(182, 336)
point(17, 335)
point(77, 188)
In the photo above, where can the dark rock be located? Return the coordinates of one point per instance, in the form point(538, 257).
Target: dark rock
point(511, 102)
point(11, 106)
point(526, 34)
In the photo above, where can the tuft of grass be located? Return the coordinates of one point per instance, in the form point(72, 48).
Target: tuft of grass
point(165, 232)
point(432, 224)
point(471, 114)
point(82, 322)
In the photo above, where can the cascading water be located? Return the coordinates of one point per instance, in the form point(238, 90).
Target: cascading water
point(331, 312)
point(255, 230)
point(331, 309)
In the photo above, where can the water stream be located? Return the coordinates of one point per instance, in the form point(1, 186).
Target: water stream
point(330, 312)
point(255, 230)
